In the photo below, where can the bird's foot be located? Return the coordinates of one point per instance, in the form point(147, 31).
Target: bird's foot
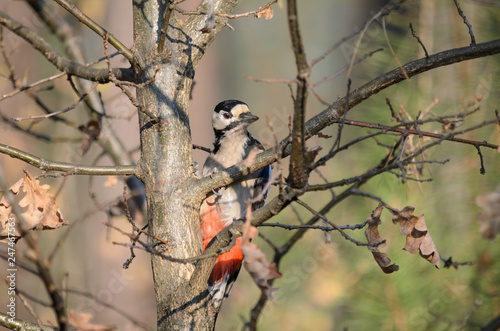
point(195, 170)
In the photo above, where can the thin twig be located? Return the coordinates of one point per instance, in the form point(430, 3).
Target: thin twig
point(336, 45)
point(482, 170)
point(414, 34)
point(119, 84)
point(477, 304)
point(253, 12)
point(164, 27)
point(313, 227)
point(381, 13)
point(60, 62)
point(229, 16)
point(73, 106)
point(450, 263)
point(392, 51)
point(73, 10)
point(150, 249)
point(69, 168)
point(462, 15)
point(338, 73)
point(335, 227)
point(203, 148)
point(48, 79)
point(429, 134)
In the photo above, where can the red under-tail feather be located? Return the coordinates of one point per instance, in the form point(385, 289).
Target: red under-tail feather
point(227, 265)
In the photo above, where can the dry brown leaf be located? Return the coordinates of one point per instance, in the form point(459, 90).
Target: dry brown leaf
point(92, 130)
point(38, 207)
point(81, 321)
point(490, 216)
point(418, 238)
point(266, 11)
point(255, 261)
point(373, 237)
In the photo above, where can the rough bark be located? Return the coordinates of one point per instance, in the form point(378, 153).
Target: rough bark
point(166, 153)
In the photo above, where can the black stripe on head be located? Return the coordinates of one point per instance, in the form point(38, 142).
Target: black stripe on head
point(227, 105)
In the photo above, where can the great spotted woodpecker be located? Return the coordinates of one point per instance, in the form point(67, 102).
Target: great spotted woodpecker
point(233, 144)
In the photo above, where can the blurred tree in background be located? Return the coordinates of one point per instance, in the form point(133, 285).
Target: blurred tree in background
point(75, 100)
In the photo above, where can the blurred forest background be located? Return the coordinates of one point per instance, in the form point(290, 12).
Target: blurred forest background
point(325, 286)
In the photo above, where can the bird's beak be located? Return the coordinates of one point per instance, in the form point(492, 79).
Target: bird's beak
point(248, 117)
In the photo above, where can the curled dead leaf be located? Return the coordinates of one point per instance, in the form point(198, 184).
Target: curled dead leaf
point(418, 238)
point(373, 237)
point(489, 218)
point(92, 130)
point(38, 207)
point(266, 11)
point(255, 261)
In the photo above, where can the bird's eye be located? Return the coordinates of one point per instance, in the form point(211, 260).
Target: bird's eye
point(226, 115)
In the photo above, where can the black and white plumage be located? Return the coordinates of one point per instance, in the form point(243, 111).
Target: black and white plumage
point(233, 143)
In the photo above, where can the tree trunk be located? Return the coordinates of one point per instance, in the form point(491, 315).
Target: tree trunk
point(166, 153)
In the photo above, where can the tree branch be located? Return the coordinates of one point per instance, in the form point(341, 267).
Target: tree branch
point(462, 15)
point(127, 53)
point(428, 134)
point(333, 113)
point(68, 168)
point(18, 324)
point(59, 61)
point(298, 177)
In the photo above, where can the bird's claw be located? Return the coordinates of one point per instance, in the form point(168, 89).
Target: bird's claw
point(195, 170)
point(218, 192)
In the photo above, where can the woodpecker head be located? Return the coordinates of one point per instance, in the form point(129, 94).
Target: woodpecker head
point(231, 115)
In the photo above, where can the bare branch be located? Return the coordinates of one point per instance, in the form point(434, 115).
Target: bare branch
point(73, 106)
point(166, 20)
point(297, 170)
point(98, 29)
point(29, 86)
point(253, 12)
point(380, 14)
point(335, 111)
point(119, 84)
point(429, 134)
point(69, 168)
point(414, 34)
point(450, 263)
point(313, 227)
point(392, 51)
point(462, 15)
point(59, 61)
point(342, 232)
point(338, 73)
